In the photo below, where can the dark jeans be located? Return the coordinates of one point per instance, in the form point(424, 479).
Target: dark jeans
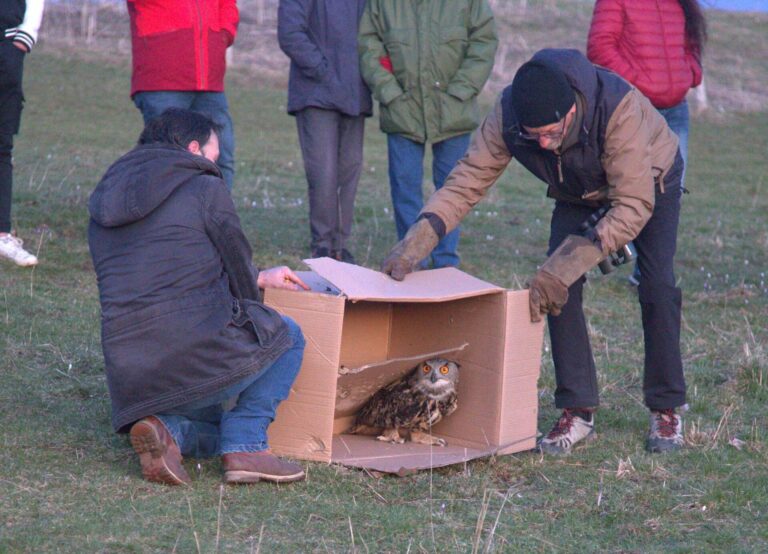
point(660, 305)
point(332, 148)
point(406, 175)
point(11, 102)
point(212, 104)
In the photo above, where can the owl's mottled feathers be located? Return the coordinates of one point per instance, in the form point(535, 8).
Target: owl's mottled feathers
point(412, 404)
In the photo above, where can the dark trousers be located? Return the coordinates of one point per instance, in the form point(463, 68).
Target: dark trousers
point(332, 148)
point(660, 306)
point(11, 101)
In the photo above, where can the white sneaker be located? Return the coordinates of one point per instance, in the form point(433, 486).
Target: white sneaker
point(12, 248)
point(567, 431)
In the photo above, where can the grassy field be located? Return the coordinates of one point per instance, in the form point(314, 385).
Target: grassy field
point(69, 484)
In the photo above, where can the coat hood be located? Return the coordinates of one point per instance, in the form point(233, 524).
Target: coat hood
point(142, 180)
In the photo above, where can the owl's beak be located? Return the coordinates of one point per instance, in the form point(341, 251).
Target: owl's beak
point(433, 378)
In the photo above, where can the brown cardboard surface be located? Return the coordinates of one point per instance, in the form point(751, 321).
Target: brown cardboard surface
point(360, 283)
point(403, 459)
point(362, 334)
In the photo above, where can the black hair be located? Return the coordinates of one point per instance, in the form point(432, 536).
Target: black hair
point(180, 127)
point(695, 25)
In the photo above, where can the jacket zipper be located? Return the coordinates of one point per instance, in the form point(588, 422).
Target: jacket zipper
point(201, 78)
point(559, 168)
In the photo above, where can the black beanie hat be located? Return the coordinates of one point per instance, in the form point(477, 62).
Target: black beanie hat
point(540, 94)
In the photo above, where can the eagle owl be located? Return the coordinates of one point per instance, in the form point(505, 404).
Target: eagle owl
point(412, 404)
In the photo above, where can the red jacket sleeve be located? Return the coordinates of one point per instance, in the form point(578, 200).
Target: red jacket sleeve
point(605, 35)
point(230, 17)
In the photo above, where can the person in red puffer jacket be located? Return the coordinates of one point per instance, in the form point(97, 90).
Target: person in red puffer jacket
point(657, 46)
point(179, 60)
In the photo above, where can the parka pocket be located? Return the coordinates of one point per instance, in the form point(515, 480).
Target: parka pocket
point(452, 50)
point(456, 115)
point(399, 46)
point(264, 322)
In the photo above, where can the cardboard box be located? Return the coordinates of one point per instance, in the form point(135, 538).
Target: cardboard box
point(364, 330)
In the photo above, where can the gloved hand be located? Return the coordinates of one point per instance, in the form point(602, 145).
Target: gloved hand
point(549, 287)
point(547, 295)
point(418, 243)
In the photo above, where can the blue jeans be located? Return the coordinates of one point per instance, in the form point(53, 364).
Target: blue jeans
point(406, 174)
point(678, 119)
point(203, 428)
point(213, 104)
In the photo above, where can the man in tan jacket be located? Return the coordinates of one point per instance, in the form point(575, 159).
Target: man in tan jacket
point(597, 143)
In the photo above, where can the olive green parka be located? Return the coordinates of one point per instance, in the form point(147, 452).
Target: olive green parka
point(441, 53)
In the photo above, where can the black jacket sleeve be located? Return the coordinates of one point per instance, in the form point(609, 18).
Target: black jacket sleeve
point(222, 225)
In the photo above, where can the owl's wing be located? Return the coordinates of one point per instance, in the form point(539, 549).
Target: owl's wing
point(378, 411)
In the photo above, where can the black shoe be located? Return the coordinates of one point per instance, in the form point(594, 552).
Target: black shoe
point(321, 252)
point(344, 255)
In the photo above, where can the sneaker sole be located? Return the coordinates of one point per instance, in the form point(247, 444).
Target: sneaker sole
point(147, 444)
point(557, 451)
point(245, 477)
point(661, 447)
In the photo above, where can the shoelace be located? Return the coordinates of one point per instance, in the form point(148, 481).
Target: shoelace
point(563, 425)
point(667, 422)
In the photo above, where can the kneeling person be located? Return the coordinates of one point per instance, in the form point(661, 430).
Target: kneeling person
point(183, 326)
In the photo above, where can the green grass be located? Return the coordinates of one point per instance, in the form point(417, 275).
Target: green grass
point(69, 484)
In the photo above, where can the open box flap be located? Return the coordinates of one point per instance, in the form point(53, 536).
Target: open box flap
point(402, 459)
point(436, 285)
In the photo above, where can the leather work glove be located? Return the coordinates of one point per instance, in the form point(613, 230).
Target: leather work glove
point(418, 243)
point(549, 287)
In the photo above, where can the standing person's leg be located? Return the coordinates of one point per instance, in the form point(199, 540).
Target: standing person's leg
point(661, 305)
point(11, 103)
point(678, 119)
point(6, 182)
point(575, 374)
point(445, 156)
point(406, 174)
point(350, 164)
point(153, 103)
point(215, 106)
point(319, 140)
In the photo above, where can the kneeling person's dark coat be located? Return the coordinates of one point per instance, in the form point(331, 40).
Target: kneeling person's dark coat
point(181, 312)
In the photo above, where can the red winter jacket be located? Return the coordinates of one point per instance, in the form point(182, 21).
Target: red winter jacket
point(181, 44)
point(644, 41)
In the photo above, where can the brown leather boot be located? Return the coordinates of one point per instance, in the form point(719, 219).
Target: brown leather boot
point(252, 467)
point(158, 453)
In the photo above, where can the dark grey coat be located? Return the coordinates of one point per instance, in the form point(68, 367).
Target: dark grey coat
point(320, 38)
point(180, 310)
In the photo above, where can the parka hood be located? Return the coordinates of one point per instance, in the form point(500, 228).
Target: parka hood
point(142, 180)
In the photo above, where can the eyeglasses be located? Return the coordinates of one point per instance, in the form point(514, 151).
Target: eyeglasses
point(550, 135)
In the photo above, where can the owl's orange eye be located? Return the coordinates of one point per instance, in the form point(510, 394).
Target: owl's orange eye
point(444, 370)
point(425, 368)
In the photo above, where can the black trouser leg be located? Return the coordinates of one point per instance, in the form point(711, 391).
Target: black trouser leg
point(11, 103)
point(6, 182)
point(660, 300)
point(571, 352)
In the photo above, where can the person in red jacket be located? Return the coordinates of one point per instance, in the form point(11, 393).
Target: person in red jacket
point(179, 49)
point(656, 45)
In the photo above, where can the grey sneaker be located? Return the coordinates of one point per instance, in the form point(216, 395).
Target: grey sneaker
point(568, 430)
point(13, 248)
point(666, 434)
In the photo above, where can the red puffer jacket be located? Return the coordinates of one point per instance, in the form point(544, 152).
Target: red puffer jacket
point(644, 41)
point(181, 44)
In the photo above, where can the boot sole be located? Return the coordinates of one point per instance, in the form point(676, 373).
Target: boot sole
point(147, 444)
point(245, 477)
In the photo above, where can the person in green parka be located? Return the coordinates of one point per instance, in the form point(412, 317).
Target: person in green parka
point(425, 62)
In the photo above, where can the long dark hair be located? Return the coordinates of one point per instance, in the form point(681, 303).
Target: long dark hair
point(695, 25)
